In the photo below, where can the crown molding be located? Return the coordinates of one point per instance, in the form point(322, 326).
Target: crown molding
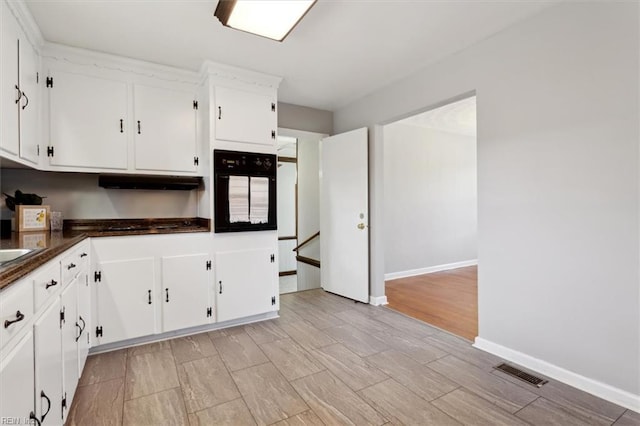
point(90, 58)
point(223, 72)
point(25, 19)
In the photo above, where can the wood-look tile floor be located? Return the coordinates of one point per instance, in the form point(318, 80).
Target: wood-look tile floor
point(326, 360)
point(447, 299)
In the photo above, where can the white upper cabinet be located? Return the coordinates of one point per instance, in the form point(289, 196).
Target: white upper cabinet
point(20, 106)
point(87, 121)
point(242, 116)
point(30, 103)
point(9, 76)
point(164, 129)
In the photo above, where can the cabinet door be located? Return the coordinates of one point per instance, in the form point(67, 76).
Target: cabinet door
point(185, 291)
point(242, 116)
point(48, 358)
point(84, 120)
point(125, 299)
point(30, 103)
point(165, 129)
point(16, 382)
point(10, 93)
point(84, 318)
point(70, 331)
point(245, 283)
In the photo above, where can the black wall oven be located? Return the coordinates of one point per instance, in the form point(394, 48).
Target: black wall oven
point(245, 191)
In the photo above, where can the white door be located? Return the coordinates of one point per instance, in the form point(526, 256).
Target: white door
point(232, 109)
point(16, 382)
point(84, 318)
point(164, 129)
point(30, 103)
point(10, 94)
point(344, 215)
point(185, 291)
point(126, 299)
point(70, 331)
point(48, 352)
point(88, 121)
point(246, 283)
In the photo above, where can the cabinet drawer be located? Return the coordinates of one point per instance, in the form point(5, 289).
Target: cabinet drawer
point(16, 309)
point(74, 262)
point(46, 282)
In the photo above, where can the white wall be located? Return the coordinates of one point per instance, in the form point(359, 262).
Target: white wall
point(78, 196)
point(430, 203)
point(304, 118)
point(558, 193)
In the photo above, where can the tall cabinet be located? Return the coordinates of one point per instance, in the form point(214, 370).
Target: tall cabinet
point(19, 90)
point(246, 263)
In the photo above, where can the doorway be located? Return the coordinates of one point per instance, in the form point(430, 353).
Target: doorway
point(430, 210)
point(298, 209)
point(287, 190)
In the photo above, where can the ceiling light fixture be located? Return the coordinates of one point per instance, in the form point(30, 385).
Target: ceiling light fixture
point(266, 18)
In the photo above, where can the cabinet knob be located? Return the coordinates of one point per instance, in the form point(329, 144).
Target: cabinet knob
point(19, 94)
point(219, 113)
point(50, 284)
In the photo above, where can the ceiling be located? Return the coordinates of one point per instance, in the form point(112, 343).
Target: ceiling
point(340, 52)
point(457, 117)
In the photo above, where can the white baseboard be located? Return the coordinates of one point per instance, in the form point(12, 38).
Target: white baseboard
point(594, 387)
point(429, 270)
point(377, 300)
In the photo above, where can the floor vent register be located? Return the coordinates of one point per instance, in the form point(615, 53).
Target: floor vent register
point(521, 375)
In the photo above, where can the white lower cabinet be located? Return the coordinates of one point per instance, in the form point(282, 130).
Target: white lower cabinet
point(150, 284)
point(46, 345)
point(84, 318)
point(16, 382)
point(70, 332)
point(246, 283)
point(185, 291)
point(47, 332)
point(125, 299)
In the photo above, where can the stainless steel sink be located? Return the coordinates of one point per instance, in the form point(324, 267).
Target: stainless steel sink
point(9, 255)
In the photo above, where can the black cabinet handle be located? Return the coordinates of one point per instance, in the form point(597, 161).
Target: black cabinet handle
point(220, 282)
point(121, 126)
point(219, 113)
point(50, 284)
point(19, 94)
point(34, 418)
point(19, 317)
point(84, 324)
point(44, 395)
point(139, 127)
point(26, 103)
point(79, 331)
point(83, 255)
point(149, 297)
point(167, 293)
point(71, 266)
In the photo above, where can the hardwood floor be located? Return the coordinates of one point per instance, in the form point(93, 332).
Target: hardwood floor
point(326, 360)
point(447, 299)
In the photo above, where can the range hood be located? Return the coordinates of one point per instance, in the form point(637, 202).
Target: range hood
point(183, 183)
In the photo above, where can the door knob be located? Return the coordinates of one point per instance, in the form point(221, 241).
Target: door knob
point(361, 226)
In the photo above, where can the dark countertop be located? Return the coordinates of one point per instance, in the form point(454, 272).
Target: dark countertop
point(51, 244)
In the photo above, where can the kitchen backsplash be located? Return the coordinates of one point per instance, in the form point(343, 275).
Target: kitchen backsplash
point(78, 196)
